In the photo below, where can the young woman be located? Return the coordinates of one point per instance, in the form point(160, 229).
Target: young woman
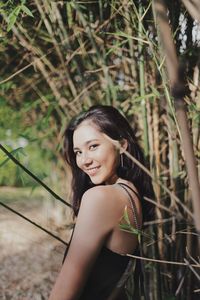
point(105, 182)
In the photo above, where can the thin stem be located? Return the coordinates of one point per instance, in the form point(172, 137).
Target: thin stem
point(32, 222)
point(34, 176)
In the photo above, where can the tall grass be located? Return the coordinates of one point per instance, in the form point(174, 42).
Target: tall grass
point(86, 52)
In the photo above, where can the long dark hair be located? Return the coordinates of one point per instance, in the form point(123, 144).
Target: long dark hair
point(113, 124)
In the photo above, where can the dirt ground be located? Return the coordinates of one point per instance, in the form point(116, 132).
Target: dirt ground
point(29, 258)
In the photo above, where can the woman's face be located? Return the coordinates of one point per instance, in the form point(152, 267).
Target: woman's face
point(96, 155)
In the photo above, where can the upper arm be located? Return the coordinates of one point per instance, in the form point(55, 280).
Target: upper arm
point(93, 225)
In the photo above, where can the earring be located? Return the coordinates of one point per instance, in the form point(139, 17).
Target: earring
point(121, 160)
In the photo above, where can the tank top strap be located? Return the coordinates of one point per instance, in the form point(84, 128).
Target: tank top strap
point(132, 263)
point(133, 206)
point(126, 185)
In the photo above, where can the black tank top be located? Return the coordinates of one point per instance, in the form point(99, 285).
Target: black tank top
point(110, 269)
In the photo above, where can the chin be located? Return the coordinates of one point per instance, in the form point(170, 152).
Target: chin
point(97, 181)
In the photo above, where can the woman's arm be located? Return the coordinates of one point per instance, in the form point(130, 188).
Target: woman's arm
point(93, 225)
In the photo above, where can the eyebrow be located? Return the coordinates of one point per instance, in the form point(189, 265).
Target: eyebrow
point(86, 143)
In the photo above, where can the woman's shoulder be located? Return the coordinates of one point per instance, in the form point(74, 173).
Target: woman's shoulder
point(98, 203)
point(100, 193)
point(102, 198)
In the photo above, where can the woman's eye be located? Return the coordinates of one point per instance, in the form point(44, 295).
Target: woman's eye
point(77, 153)
point(92, 147)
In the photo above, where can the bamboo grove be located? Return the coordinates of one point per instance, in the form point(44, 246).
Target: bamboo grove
point(59, 57)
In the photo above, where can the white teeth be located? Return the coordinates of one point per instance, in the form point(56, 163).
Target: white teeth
point(92, 171)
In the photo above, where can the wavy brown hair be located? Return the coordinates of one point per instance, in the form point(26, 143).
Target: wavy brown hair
point(109, 121)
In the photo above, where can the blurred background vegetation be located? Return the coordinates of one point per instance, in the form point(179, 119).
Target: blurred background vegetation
point(60, 57)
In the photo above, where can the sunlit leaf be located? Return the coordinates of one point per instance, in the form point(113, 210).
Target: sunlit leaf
point(27, 10)
point(12, 18)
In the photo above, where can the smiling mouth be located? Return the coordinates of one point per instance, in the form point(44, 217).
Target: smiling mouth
point(92, 171)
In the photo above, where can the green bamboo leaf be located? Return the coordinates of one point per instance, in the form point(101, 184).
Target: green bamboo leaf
point(12, 18)
point(115, 47)
point(21, 177)
point(4, 162)
point(15, 153)
point(21, 151)
point(130, 229)
point(144, 97)
point(69, 14)
point(48, 115)
point(27, 11)
point(124, 227)
point(27, 136)
point(128, 36)
point(126, 217)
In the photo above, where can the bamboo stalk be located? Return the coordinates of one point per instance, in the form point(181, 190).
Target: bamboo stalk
point(194, 8)
point(142, 82)
point(175, 83)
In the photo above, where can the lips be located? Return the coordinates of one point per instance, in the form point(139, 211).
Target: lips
point(92, 171)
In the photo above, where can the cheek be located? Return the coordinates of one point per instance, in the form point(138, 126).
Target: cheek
point(113, 159)
point(77, 159)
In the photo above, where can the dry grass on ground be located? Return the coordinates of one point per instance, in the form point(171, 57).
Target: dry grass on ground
point(29, 258)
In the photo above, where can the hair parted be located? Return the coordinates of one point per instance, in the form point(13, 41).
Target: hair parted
point(110, 122)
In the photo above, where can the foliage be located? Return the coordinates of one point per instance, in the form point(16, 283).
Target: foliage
point(59, 57)
point(12, 10)
point(37, 160)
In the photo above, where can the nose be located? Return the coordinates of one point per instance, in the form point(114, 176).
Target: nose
point(86, 160)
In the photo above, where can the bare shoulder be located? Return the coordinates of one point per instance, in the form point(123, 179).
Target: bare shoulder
point(98, 208)
point(98, 191)
point(99, 195)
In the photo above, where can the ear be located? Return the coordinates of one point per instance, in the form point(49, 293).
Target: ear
point(123, 145)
